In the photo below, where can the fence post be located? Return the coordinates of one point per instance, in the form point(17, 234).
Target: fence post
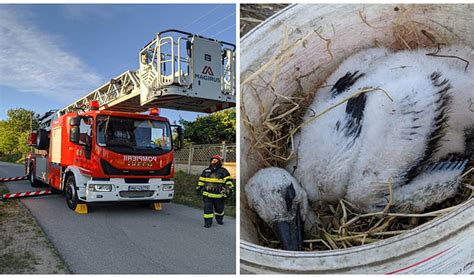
point(224, 151)
point(190, 158)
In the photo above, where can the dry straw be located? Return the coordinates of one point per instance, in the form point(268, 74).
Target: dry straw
point(272, 137)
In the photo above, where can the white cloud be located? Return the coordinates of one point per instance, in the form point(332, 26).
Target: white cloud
point(34, 61)
point(89, 13)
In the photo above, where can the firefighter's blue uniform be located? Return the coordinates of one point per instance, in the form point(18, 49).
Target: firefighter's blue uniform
point(215, 183)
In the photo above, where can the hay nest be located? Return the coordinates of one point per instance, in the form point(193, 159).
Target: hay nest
point(272, 138)
point(253, 14)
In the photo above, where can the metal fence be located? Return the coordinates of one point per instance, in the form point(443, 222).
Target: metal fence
point(199, 155)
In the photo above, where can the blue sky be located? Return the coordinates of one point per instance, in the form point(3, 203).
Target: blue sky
point(50, 55)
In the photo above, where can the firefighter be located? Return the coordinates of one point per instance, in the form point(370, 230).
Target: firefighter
point(215, 185)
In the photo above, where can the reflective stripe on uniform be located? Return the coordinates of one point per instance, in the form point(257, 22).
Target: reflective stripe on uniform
point(220, 214)
point(208, 215)
point(215, 180)
point(200, 183)
point(212, 195)
point(228, 181)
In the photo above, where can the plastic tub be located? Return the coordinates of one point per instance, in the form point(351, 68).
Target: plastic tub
point(443, 245)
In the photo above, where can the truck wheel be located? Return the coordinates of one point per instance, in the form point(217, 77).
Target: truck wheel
point(70, 192)
point(33, 181)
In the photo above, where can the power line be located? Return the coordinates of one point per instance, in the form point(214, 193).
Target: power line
point(201, 17)
point(222, 31)
point(219, 21)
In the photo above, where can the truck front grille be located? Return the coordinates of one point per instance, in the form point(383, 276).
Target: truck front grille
point(128, 180)
point(111, 170)
point(136, 194)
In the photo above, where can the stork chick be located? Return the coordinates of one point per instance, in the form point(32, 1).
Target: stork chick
point(415, 143)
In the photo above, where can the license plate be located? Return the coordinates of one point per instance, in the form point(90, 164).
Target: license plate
point(138, 187)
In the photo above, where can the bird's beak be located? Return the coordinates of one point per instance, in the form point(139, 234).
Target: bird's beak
point(290, 233)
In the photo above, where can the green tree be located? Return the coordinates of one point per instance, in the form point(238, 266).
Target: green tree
point(14, 133)
point(211, 129)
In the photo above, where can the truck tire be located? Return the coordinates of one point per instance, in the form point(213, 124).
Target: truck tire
point(70, 192)
point(42, 141)
point(33, 181)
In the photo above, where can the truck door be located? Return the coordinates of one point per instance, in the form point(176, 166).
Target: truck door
point(84, 151)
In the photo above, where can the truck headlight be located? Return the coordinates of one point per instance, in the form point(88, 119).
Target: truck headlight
point(167, 187)
point(100, 187)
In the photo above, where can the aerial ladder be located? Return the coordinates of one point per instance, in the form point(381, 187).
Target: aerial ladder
point(177, 70)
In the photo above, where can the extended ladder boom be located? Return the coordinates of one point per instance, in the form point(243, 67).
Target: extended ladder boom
point(178, 70)
point(121, 93)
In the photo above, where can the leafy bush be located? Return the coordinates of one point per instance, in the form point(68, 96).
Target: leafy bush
point(211, 129)
point(14, 133)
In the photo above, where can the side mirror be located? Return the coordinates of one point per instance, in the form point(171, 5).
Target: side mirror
point(74, 134)
point(180, 137)
point(76, 121)
point(180, 143)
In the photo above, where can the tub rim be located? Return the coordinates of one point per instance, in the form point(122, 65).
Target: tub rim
point(252, 247)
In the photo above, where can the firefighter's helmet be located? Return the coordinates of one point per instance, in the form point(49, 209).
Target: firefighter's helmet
point(218, 157)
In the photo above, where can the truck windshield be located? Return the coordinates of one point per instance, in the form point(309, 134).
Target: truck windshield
point(134, 136)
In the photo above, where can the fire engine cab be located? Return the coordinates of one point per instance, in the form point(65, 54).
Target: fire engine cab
point(105, 148)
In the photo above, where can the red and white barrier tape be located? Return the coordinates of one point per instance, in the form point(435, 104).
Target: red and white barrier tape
point(14, 179)
point(26, 194)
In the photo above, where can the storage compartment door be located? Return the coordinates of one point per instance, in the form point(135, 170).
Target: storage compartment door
point(56, 145)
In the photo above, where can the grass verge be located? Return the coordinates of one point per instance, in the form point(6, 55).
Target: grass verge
point(185, 194)
point(24, 248)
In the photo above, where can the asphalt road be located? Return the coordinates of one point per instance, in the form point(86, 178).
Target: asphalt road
point(129, 239)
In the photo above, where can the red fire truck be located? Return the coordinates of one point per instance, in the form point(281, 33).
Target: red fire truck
point(104, 148)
